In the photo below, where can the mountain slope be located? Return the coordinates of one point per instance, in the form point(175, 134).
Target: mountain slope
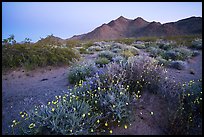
point(124, 28)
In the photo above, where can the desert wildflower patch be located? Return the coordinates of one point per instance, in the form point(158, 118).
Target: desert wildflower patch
point(101, 97)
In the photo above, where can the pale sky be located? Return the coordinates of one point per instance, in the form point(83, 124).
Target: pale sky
point(65, 19)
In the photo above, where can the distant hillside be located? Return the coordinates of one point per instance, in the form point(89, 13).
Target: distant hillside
point(125, 28)
point(51, 40)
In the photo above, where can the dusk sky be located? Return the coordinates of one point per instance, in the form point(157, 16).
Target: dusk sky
point(65, 19)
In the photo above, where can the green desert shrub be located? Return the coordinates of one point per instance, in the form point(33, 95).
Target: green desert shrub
point(101, 61)
point(139, 46)
point(129, 51)
point(106, 54)
point(185, 40)
point(154, 51)
point(95, 48)
point(31, 56)
point(73, 43)
point(118, 46)
point(81, 71)
point(162, 61)
point(127, 41)
point(134, 50)
point(178, 64)
point(184, 53)
point(195, 53)
point(177, 54)
point(147, 39)
point(88, 44)
point(171, 54)
point(165, 46)
point(126, 54)
point(197, 44)
point(116, 50)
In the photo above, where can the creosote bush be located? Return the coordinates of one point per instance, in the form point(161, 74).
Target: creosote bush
point(33, 56)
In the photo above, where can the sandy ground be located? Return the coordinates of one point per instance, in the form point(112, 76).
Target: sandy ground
point(23, 90)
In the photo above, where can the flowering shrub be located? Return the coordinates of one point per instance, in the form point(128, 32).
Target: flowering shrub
point(119, 59)
point(187, 119)
point(88, 108)
point(67, 115)
point(139, 73)
point(81, 71)
point(143, 72)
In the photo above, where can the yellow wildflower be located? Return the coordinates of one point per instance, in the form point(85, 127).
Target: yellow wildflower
point(106, 124)
point(111, 131)
point(83, 115)
point(125, 127)
point(98, 121)
point(92, 130)
point(32, 125)
point(99, 88)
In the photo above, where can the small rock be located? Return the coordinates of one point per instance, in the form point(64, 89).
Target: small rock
point(180, 65)
point(44, 79)
point(192, 72)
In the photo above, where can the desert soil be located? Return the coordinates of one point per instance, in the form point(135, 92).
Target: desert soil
point(23, 90)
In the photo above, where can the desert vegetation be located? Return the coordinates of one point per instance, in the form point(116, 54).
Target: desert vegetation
point(30, 56)
point(103, 90)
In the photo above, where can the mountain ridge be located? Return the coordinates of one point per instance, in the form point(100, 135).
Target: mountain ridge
point(138, 27)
